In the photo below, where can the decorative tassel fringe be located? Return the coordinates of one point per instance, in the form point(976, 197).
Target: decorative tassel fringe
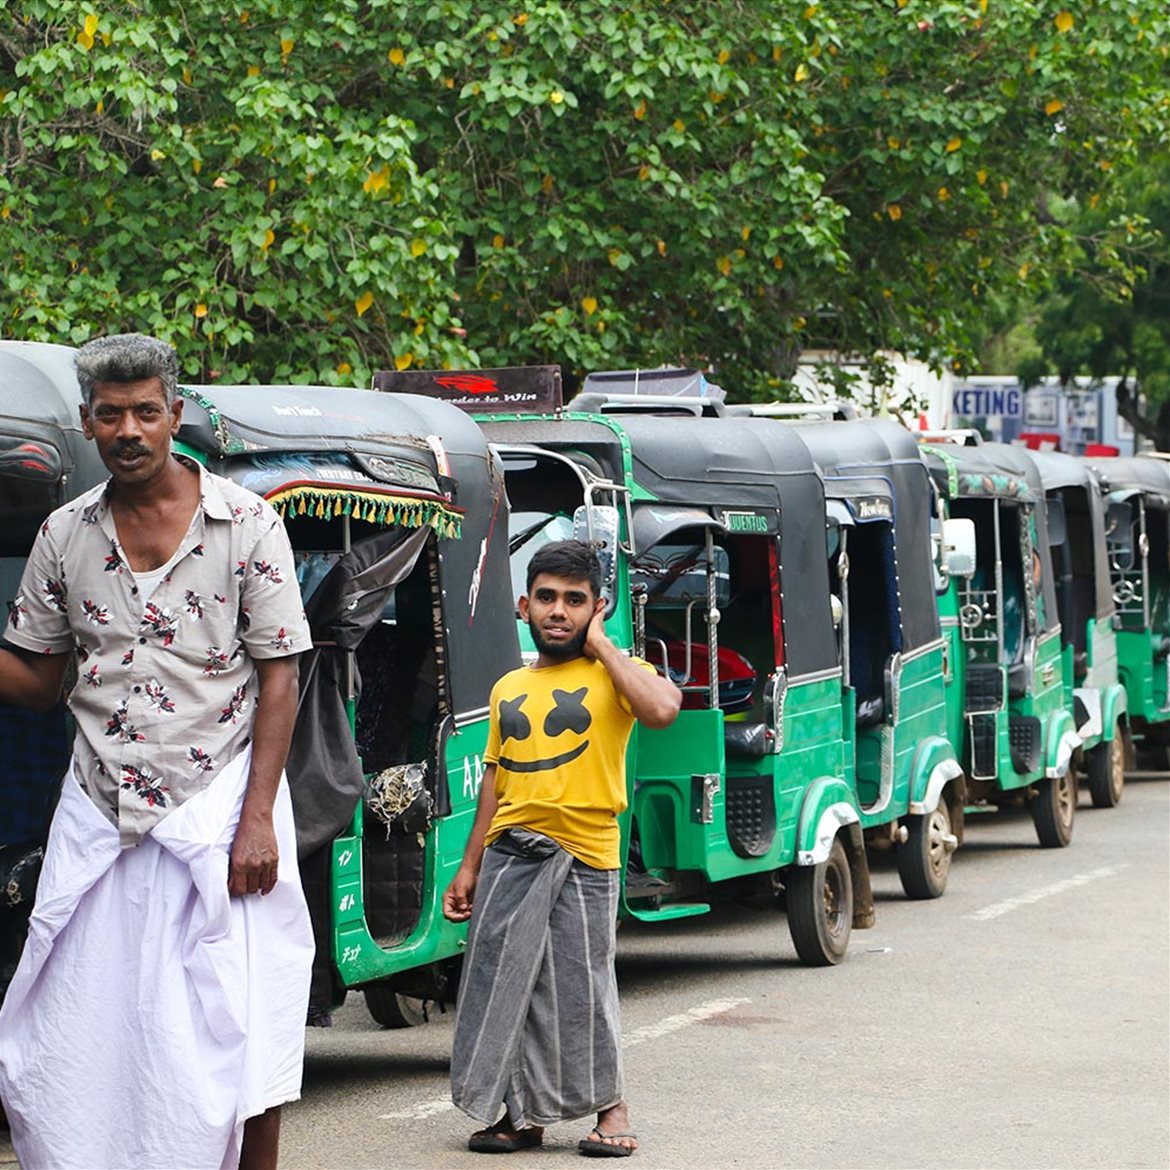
point(374, 508)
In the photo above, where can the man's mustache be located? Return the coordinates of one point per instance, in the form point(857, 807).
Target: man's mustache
point(120, 449)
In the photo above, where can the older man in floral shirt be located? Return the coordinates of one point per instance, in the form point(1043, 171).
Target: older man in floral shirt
point(157, 1015)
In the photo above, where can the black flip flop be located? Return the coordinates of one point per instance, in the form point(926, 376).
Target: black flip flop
point(603, 1149)
point(504, 1141)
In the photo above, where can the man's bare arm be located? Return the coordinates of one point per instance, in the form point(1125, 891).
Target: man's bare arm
point(31, 680)
point(254, 857)
point(654, 700)
point(458, 898)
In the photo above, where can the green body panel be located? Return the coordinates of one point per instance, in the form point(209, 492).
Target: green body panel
point(1144, 679)
point(1114, 706)
point(358, 956)
point(671, 835)
point(665, 797)
point(1045, 699)
point(888, 775)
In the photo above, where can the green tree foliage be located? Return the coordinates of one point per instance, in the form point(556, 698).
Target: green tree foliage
point(313, 190)
point(1097, 321)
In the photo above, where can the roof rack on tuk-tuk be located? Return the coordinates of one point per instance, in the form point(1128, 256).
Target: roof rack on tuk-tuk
point(960, 436)
point(667, 390)
point(831, 410)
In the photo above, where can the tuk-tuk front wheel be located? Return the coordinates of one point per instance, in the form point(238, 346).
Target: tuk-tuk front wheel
point(1105, 770)
point(392, 1010)
point(819, 901)
point(924, 858)
point(1053, 807)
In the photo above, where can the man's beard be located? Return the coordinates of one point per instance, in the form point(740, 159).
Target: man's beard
point(562, 651)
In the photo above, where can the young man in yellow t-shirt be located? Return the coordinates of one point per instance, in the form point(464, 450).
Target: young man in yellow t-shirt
point(537, 1030)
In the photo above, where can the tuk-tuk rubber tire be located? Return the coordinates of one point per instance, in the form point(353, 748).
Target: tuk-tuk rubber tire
point(1105, 771)
point(920, 879)
point(1052, 830)
point(392, 1010)
point(804, 898)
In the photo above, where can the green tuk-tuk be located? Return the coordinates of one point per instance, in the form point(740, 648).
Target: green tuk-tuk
point(909, 782)
point(398, 520)
point(1088, 622)
point(713, 533)
point(1138, 522)
point(1006, 692)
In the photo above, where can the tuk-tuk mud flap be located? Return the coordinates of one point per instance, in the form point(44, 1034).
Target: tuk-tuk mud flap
point(1087, 713)
point(984, 746)
point(750, 809)
point(1026, 742)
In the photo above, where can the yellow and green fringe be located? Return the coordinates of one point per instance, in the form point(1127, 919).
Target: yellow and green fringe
point(372, 507)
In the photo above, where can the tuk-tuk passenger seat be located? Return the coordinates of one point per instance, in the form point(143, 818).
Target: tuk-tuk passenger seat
point(745, 741)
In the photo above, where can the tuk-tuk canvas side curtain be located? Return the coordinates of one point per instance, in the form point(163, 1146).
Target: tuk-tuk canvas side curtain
point(390, 511)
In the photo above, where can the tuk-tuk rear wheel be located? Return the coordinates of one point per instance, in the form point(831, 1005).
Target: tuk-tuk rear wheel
point(392, 1010)
point(1053, 807)
point(924, 858)
point(1105, 771)
point(819, 901)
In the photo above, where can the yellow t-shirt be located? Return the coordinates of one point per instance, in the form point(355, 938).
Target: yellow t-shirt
point(558, 737)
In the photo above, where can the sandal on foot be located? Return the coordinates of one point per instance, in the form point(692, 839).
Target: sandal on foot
point(605, 1149)
point(498, 1140)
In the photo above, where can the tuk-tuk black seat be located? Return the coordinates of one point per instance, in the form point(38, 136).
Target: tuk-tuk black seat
point(745, 741)
point(1017, 680)
point(1162, 650)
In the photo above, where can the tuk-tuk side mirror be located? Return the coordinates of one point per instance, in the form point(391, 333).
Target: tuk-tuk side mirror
point(958, 546)
point(1057, 525)
point(598, 526)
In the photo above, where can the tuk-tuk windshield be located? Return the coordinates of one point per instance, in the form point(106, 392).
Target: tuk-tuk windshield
point(533, 531)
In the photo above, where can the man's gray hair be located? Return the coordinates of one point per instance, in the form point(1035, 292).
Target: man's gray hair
point(126, 357)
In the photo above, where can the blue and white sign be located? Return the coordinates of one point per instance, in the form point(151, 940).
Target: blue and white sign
point(985, 401)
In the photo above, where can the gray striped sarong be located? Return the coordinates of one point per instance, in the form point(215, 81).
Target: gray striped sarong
point(537, 1027)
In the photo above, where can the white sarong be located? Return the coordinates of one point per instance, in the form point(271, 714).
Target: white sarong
point(152, 1014)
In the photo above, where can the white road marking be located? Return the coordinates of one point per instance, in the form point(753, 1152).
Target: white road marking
point(997, 909)
point(695, 1015)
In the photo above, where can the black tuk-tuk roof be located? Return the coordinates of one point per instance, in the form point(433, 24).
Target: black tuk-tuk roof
point(379, 453)
point(866, 458)
point(990, 469)
point(45, 459)
point(427, 458)
point(718, 466)
point(1059, 472)
point(39, 401)
point(1137, 473)
point(998, 471)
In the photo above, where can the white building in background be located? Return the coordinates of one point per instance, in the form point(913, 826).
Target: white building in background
point(1048, 416)
point(1052, 416)
point(917, 395)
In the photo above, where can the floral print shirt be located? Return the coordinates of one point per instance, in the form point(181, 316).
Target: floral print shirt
point(166, 690)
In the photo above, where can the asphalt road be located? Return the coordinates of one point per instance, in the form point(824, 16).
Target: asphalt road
point(1023, 1020)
